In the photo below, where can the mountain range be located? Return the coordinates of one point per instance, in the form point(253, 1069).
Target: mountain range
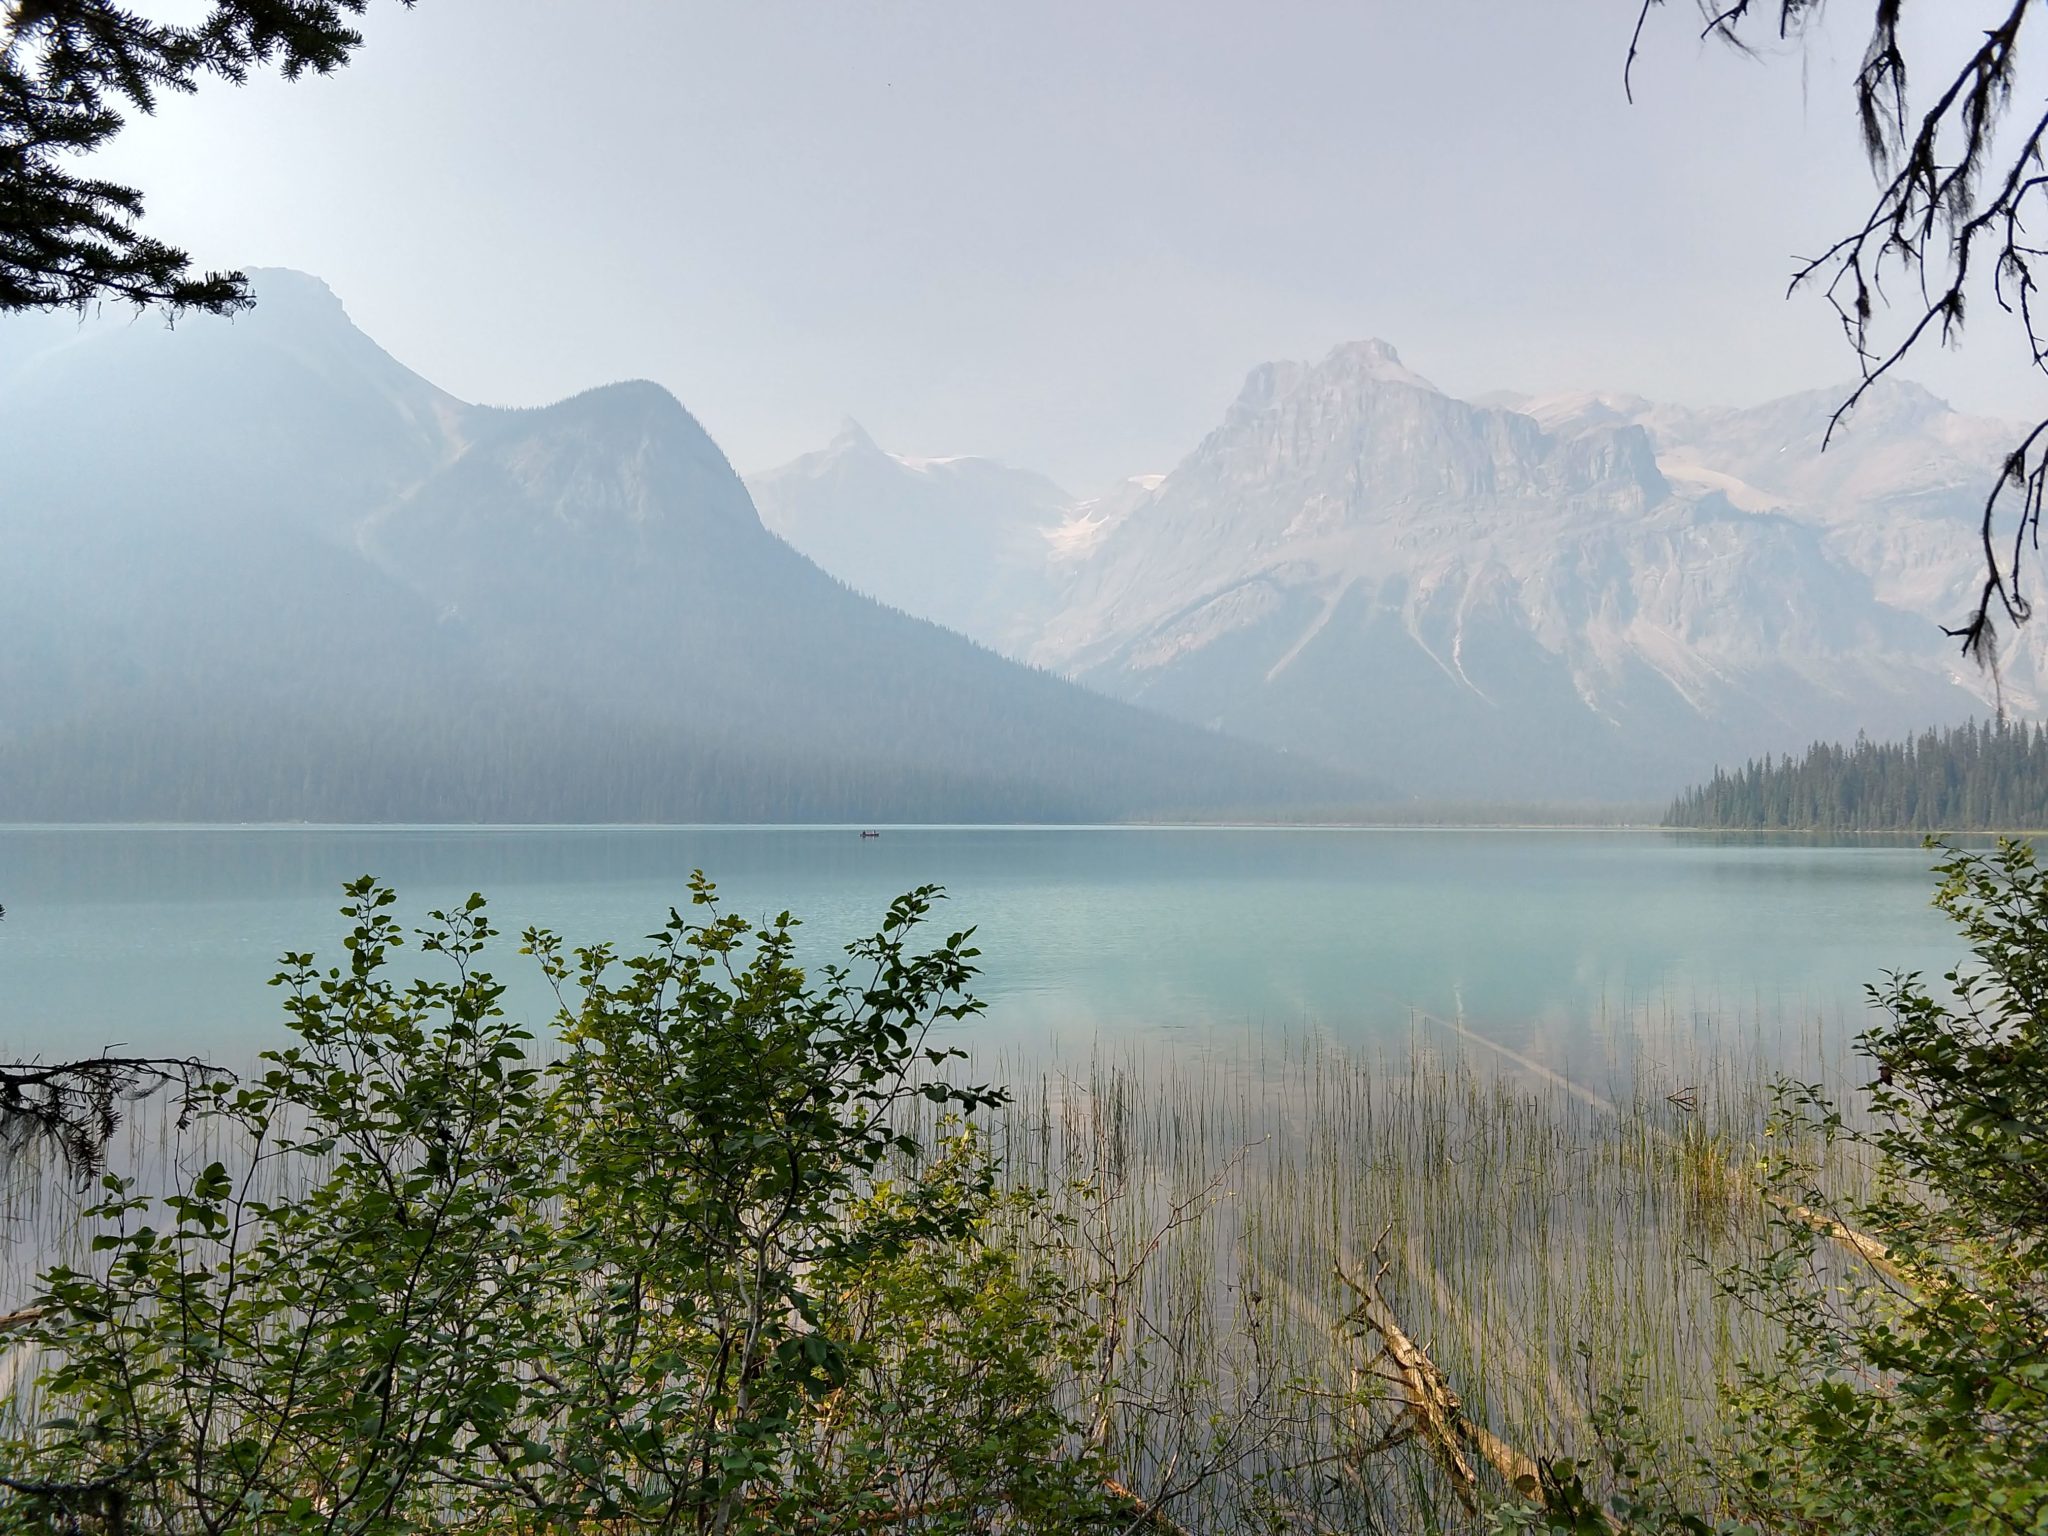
point(1575, 596)
point(259, 570)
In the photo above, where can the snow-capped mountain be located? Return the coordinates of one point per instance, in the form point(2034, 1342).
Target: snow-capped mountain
point(301, 582)
point(964, 542)
point(1899, 490)
point(970, 543)
point(1358, 566)
point(1588, 595)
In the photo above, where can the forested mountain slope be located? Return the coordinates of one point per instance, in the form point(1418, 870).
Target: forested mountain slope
point(259, 570)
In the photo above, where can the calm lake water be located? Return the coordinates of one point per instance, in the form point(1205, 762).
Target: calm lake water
point(1551, 942)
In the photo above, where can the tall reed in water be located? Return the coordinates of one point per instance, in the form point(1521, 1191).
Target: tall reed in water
point(1546, 1241)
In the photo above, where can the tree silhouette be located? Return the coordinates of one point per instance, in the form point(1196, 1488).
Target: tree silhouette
point(1948, 225)
point(69, 72)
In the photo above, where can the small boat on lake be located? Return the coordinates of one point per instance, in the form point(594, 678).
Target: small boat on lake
point(871, 834)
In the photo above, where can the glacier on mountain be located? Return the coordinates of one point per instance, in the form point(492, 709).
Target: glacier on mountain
point(1568, 596)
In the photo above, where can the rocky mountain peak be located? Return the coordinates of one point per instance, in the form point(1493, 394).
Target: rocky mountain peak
point(1266, 385)
point(1361, 438)
point(620, 455)
point(1576, 593)
point(1356, 368)
point(852, 438)
point(1375, 361)
point(282, 292)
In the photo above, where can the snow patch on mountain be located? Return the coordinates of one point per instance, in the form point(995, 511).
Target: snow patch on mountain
point(1585, 593)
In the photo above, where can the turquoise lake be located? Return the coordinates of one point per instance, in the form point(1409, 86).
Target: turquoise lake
point(1550, 942)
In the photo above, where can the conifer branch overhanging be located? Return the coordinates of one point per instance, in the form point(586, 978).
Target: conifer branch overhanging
point(71, 74)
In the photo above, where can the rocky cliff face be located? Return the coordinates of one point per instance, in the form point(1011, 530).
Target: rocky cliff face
point(1898, 492)
point(1357, 565)
point(1570, 596)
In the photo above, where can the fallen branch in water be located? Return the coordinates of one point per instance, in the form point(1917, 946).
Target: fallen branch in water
point(1875, 1253)
point(1564, 1402)
point(1438, 1412)
point(1143, 1510)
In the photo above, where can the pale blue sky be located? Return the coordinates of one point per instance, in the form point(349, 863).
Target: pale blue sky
point(1058, 232)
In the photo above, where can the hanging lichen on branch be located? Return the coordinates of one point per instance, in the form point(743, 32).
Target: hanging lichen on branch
point(1954, 200)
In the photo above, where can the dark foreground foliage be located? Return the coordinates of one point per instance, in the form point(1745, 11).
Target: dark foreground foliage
point(696, 1275)
point(69, 71)
point(732, 1256)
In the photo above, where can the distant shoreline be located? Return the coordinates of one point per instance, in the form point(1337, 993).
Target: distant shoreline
point(1861, 831)
point(822, 826)
point(1244, 824)
point(1365, 823)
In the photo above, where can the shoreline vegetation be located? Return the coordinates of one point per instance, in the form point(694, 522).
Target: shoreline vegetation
point(1989, 777)
point(732, 1247)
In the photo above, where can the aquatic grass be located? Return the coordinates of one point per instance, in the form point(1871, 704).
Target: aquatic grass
point(1547, 1239)
point(1549, 1244)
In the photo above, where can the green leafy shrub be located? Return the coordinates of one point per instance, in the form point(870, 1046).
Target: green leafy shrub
point(697, 1275)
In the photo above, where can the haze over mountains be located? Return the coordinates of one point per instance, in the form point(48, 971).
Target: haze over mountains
point(973, 532)
point(1588, 596)
point(262, 571)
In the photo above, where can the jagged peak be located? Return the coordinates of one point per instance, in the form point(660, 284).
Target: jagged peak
point(301, 292)
point(1352, 363)
point(1574, 410)
point(1893, 401)
point(852, 437)
point(853, 440)
point(1371, 351)
point(1377, 360)
point(1269, 383)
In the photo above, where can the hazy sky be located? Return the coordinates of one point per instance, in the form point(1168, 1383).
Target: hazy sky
point(1056, 233)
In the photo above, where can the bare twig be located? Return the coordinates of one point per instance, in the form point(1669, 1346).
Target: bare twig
point(1952, 208)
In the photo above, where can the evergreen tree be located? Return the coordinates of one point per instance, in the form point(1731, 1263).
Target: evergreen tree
point(69, 71)
point(1976, 777)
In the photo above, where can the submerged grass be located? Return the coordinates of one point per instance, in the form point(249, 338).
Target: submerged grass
point(1547, 1241)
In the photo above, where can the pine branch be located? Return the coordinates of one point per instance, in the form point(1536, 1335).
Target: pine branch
point(70, 72)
